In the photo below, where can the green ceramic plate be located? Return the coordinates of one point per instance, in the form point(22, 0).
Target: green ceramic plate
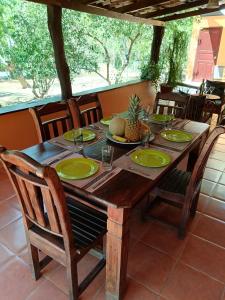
point(106, 120)
point(88, 135)
point(162, 118)
point(150, 158)
point(77, 168)
point(176, 136)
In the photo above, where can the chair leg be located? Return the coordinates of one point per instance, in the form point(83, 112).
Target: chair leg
point(146, 207)
point(183, 223)
point(34, 261)
point(194, 205)
point(72, 280)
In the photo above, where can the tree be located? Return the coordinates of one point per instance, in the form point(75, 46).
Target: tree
point(102, 45)
point(29, 48)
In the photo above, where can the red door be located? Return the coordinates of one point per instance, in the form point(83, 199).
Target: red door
point(207, 52)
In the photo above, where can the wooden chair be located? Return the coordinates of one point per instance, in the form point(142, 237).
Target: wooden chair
point(195, 109)
point(86, 108)
point(171, 103)
point(51, 120)
point(62, 228)
point(217, 106)
point(182, 188)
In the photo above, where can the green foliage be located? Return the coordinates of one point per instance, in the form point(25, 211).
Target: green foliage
point(174, 50)
point(134, 109)
point(152, 72)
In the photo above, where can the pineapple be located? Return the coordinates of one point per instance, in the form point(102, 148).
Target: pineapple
point(132, 128)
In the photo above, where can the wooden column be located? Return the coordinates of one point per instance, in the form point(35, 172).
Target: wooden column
point(117, 247)
point(158, 33)
point(55, 29)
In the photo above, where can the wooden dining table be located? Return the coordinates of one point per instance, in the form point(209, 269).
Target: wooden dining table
point(118, 196)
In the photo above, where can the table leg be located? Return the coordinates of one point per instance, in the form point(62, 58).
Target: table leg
point(117, 252)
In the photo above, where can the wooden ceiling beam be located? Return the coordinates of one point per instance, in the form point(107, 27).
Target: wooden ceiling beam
point(138, 5)
point(74, 5)
point(197, 12)
point(174, 9)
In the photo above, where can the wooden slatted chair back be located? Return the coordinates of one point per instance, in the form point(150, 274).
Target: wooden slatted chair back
point(200, 164)
point(195, 108)
point(47, 124)
point(171, 103)
point(87, 108)
point(41, 195)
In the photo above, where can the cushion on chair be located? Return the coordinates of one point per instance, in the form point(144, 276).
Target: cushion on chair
point(175, 182)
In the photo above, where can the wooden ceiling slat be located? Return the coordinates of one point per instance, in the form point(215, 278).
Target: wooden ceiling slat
point(98, 11)
point(174, 9)
point(139, 5)
point(191, 13)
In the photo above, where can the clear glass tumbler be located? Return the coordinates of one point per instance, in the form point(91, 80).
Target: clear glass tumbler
point(78, 139)
point(107, 157)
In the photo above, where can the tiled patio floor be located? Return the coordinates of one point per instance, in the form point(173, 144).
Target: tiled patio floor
point(160, 265)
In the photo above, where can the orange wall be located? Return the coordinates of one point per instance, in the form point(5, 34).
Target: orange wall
point(206, 22)
point(17, 130)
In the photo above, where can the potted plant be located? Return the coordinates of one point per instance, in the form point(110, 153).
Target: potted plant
point(152, 72)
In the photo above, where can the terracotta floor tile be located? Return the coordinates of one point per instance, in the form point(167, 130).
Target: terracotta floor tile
point(207, 187)
point(203, 201)
point(205, 257)
point(6, 189)
point(212, 174)
point(187, 284)
point(219, 147)
point(13, 236)
point(137, 226)
point(16, 281)
point(8, 214)
point(47, 290)
point(149, 267)
point(215, 164)
point(58, 276)
point(217, 155)
point(135, 291)
point(222, 179)
point(163, 238)
point(5, 255)
point(215, 208)
point(219, 192)
point(211, 229)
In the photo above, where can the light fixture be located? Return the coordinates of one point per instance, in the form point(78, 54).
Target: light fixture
point(213, 4)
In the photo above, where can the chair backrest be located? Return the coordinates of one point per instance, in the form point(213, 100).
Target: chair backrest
point(195, 108)
point(171, 103)
point(87, 108)
point(199, 167)
point(40, 194)
point(219, 88)
point(47, 124)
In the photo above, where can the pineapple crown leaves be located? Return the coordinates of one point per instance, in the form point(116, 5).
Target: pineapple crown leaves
point(134, 108)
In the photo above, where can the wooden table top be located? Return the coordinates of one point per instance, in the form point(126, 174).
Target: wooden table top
point(209, 96)
point(126, 188)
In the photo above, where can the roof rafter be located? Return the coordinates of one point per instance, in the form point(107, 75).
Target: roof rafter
point(75, 5)
point(191, 13)
point(174, 9)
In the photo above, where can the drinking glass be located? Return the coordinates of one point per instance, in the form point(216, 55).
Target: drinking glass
point(107, 157)
point(78, 139)
point(169, 124)
point(145, 138)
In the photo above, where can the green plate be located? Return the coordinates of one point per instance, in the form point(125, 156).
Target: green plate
point(176, 136)
point(162, 118)
point(77, 168)
point(150, 158)
point(106, 120)
point(88, 135)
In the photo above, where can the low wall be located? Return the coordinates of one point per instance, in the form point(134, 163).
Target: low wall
point(17, 130)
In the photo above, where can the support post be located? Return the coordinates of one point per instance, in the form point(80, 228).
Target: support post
point(158, 33)
point(56, 33)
